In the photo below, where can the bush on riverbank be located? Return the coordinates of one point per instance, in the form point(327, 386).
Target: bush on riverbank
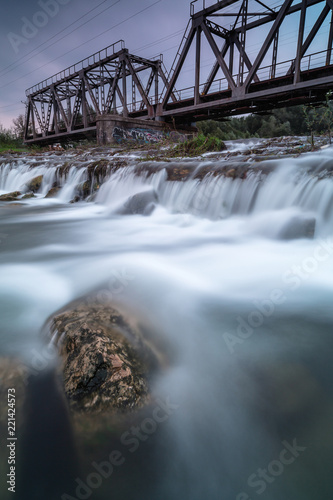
point(9, 141)
point(198, 146)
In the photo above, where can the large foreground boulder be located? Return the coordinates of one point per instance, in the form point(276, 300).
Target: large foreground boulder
point(106, 363)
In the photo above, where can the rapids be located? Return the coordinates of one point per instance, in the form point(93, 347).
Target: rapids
point(235, 275)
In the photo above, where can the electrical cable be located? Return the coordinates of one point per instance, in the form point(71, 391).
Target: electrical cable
point(14, 64)
point(84, 43)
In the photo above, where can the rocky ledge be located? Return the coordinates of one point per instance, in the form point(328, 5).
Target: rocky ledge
point(236, 160)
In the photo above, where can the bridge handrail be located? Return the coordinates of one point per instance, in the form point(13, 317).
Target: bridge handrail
point(74, 68)
point(204, 5)
point(211, 3)
point(265, 70)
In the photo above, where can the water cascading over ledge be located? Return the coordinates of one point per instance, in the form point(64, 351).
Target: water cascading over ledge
point(224, 266)
point(213, 188)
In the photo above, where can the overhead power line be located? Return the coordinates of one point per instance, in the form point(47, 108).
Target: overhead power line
point(84, 43)
point(15, 64)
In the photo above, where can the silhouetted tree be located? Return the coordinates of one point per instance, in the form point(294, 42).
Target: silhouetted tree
point(18, 127)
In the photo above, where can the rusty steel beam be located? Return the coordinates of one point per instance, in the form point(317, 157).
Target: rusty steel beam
point(311, 35)
point(315, 29)
point(166, 82)
point(330, 42)
point(213, 8)
point(320, 84)
point(180, 63)
point(218, 56)
point(68, 102)
point(137, 82)
point(197, 67)
point(245, 57)
point(267, 42)
point(297, 70)
point(112, 91)
point(270, 17)
point(216, 66)
point(241, 47)
point(78, 94)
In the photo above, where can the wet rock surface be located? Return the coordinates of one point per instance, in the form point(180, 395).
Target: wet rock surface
point(10, 196)
point(141, 203)
point(238, 160)
point(28, 196)
point(35, 184)
point(106, 363)
point(52, 193)
point(298, 227)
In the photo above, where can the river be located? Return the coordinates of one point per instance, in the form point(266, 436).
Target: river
point(234, 275)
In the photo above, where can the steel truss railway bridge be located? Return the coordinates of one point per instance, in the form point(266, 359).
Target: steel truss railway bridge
point(116, 82)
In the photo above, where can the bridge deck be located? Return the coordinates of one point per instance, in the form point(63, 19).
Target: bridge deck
point(113, 81)
point(262, 96)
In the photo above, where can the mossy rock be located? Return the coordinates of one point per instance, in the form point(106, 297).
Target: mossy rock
point(10, 196)
point(178, 173)
point(52, 193)
point(35, 184)
point(84, 189)
point(28, 195)
point(98, 170)
point(63, 170)
point(75, 199)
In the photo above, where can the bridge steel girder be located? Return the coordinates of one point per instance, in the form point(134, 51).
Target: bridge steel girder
point(242, 85)
point(100, 84)
point(95, 86)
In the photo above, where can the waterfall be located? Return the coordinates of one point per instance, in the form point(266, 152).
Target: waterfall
point(74, 178)
point(226, 264)
point(269, 193)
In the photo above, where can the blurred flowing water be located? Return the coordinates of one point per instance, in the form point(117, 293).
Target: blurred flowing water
point(229, 273)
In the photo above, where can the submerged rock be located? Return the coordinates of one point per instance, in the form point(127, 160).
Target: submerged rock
point(140, 203)
point(178, 173)
point(106, 363)
point(52, 193)
point(231, 169)
point(28, 195)
point(86, 189)
point(10, 196)
point(231, 173)
point(298, 227)
point(75, 199)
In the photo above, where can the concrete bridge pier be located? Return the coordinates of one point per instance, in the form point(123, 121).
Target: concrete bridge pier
point(116, 129)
